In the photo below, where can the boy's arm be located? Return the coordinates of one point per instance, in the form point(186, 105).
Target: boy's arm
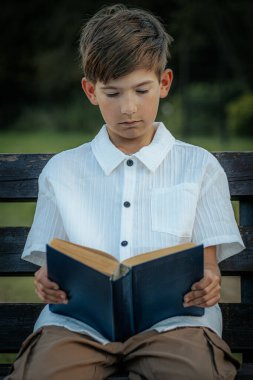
point(47, 290)
point(206, 292)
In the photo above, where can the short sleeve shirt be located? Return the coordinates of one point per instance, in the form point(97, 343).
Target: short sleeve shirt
point(167, 193)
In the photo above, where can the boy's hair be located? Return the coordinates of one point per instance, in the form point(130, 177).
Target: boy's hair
point(118, 40)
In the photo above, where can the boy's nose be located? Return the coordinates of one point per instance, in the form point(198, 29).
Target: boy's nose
point(128, 106)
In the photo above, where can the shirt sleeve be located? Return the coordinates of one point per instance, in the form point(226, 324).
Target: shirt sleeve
point(47, 223)
point(215, 222)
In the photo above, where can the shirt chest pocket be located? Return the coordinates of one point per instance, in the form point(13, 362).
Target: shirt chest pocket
point(173, 209)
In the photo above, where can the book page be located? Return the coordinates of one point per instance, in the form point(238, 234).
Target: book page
point(144, 257)
point(99, 260)
point(120, 271)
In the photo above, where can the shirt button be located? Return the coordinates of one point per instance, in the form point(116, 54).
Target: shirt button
point(127, 204)
point(124, 243)
point(130, 162)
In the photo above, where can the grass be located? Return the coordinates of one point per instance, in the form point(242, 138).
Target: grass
point(52, 142)
point(40, 142)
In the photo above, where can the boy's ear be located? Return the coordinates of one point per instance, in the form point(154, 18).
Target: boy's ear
point(165, 83)
point(89, 89)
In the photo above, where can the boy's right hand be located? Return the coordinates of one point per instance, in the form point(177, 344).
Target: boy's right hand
point(47, 290)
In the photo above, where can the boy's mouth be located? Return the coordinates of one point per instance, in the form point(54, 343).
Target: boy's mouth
point(132, 122)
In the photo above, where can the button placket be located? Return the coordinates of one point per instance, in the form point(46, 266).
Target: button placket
point(127, 208)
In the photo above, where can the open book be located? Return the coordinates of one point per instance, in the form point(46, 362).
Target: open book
point(123, 299)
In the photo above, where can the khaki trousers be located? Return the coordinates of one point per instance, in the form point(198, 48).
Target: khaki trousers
point(55, 353)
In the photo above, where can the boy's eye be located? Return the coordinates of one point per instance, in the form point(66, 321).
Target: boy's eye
point(111, 95)
point(142, 91)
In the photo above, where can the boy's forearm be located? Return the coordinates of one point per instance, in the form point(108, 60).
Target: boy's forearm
point(210, 260)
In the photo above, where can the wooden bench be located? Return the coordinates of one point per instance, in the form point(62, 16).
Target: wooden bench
point(18, 182)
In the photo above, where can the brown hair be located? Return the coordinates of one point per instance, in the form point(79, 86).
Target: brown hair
point(118, 40)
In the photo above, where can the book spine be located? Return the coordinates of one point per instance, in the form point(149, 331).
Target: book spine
point(123, 308)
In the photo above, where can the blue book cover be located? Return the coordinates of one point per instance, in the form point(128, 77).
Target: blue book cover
point(123, 299)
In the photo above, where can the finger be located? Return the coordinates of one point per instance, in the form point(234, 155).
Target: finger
point(203, 283)
point(52, 294)
point(203, 297)
point(207, 282)
point(46, 298)
point(211, 302)
point(46, 282)
point(199, 293)
point(41, 277)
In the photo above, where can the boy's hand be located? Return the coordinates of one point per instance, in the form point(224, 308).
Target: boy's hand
point(207, 291)
point(47, 290)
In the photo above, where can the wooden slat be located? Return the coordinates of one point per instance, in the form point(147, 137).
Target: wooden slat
point(19, 174)
point(17, 320)
point(238, 326)
point(13, 265)
point(244, 261)
point(12, 241)
point(245, 372)
point(16, 323)
point(239, 169)
point(4, 370)
point(247, 288)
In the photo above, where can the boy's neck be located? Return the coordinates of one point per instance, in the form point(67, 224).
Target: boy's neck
point(131, 146)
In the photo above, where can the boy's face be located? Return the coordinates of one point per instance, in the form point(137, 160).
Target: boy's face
point(129, 104)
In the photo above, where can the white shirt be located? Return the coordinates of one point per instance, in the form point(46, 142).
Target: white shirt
point(177, 193)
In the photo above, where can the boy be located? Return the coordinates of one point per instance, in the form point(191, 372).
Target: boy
point(134, 188)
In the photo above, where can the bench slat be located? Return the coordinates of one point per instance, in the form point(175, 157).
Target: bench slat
point(19, 174)
point(16, 323)
point(17, 320)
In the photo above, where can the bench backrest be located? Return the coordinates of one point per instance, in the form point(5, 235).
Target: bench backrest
point(19, 182)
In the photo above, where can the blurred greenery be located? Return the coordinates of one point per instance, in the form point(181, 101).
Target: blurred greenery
point(40, 69)
point(203, 109)
point(240, 115)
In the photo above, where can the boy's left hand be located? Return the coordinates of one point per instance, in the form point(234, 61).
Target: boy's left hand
point(206, 292)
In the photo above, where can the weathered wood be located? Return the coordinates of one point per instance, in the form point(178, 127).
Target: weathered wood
point(19, 174)
point(13, 265)
point(247, 288)
point(12, 241)
point(16, 323)
point(246, 213)
point(245, 372)
point(238, 326)
point(244, 261)
point(238, 167)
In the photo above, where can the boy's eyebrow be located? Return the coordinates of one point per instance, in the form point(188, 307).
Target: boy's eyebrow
point(116, 88)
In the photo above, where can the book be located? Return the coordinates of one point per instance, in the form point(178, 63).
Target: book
point(121, 299)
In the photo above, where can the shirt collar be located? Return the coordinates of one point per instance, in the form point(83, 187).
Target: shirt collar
point(152, 155)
